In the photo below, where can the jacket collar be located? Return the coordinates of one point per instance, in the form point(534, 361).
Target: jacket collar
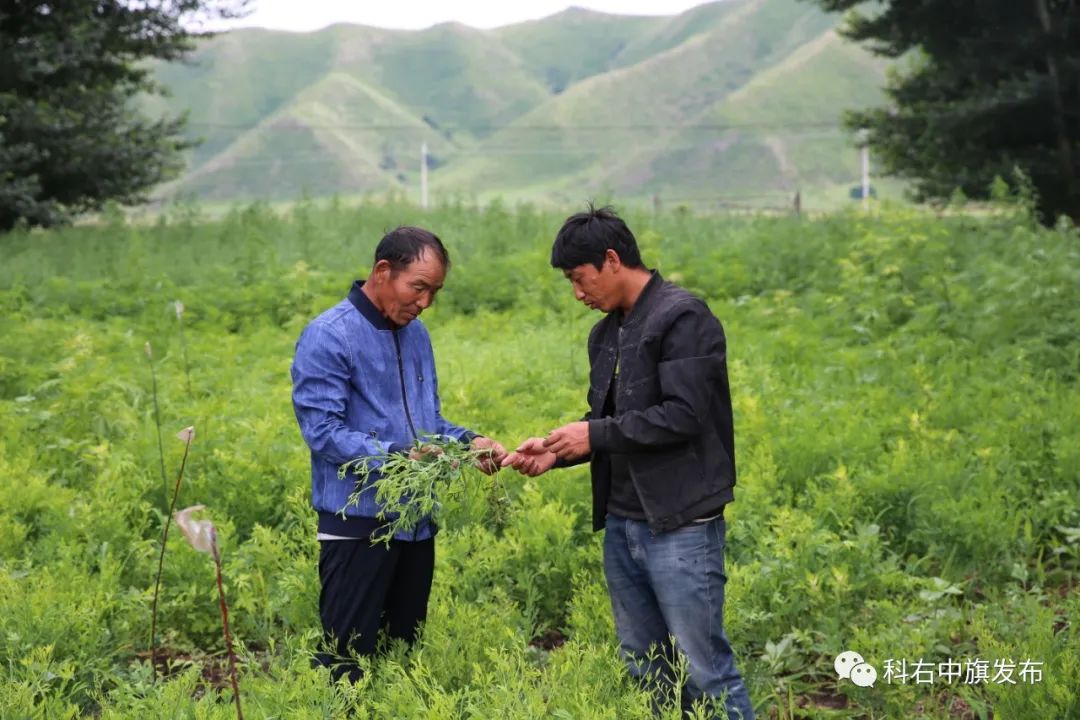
point(367, 308)
point(645, 299)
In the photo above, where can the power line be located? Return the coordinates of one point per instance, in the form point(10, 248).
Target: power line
point(527, 128)
point(592, 151)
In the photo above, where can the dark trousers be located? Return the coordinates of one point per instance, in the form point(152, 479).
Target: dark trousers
point(367, 588)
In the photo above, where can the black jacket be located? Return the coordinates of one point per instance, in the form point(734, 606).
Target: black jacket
point(673, 420)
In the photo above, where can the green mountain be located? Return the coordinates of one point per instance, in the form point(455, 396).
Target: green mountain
point(732, 102)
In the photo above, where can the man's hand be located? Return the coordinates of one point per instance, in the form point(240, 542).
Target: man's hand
point(569, 441)
point(425, 451)
point(490, 462)
point(531, 458)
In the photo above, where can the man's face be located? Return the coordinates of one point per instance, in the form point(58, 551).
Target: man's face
point(407, 293)
point(597, 289)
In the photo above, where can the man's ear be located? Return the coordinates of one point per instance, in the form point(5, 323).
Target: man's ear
point(380, 273)
point(612, 259)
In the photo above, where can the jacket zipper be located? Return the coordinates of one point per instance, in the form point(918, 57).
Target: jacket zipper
point(401, 377)
point(404, 399)
point(618, 362)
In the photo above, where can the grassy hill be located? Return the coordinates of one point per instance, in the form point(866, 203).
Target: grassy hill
point(632, 130)
point(575, 44)
point(730, 101)
point(801, 149)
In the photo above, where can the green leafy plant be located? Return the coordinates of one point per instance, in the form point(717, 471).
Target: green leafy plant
point(415, 485)
point(186, 435)
point(179, 308)
point(203, 537)
point(906, 387)
point(157, 415)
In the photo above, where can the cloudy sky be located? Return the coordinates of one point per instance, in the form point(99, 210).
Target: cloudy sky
point(303, 15)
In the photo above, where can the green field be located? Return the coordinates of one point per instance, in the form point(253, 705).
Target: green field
point(908, 442)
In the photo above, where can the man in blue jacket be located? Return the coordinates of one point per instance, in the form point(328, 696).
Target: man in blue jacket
point(364, 384)
point(661, 447)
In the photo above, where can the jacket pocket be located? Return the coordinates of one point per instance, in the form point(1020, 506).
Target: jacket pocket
point(638, 393)
point(670, 479)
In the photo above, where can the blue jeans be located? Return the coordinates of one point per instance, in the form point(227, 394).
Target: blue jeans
point(671, 587)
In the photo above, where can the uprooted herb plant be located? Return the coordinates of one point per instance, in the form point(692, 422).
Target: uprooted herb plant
point(416, 484)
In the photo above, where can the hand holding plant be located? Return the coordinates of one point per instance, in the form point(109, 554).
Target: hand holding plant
point(531, 458)
point(410, 487)
point(491, 454)
point(425, 451)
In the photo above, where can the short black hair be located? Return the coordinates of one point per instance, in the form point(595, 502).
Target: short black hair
point(404, 245)
point(586, 237)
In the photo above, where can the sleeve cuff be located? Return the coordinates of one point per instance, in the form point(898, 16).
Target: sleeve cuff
point(397, 449)
point(598, 434)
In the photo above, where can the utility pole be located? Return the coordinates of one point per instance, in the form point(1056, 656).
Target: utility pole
point(423, 176)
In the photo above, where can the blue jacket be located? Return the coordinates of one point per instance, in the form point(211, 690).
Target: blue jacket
point(362, 387)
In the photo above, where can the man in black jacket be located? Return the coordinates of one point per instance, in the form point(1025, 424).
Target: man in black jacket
point(660, 443)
